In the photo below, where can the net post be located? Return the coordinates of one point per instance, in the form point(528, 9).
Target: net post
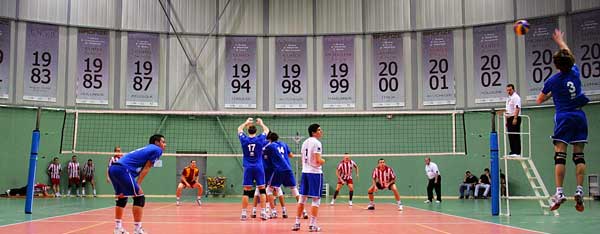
point(75, 126)
point(35, 143)
point(494, 165)
point(453, 132)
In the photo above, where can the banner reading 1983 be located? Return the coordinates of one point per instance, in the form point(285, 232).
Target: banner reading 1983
point(142, 69)
point(539, 48)
point(4, 57)
point(438, 68)
point(338, 72)
point(41, 63)
point(489, 60)
point(240, 70)
point(92, 66)
point(586, 32)
point(388, 73)
point(290, 72)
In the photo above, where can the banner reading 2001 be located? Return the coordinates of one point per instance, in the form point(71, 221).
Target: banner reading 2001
point(92, 67)
point(41, 63)
point(4, 57)
point(388, 73)
point(438, 68)
point(489, 60)
point(586, 32)
point(539, 48)
point(240, 84)
point(290, 70)
point(338, 72)
point(142, 69)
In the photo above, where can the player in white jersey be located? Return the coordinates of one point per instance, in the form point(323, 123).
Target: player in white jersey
point(74, 175)
point(112, 160)
point(88, 176)
point(54, 171)
point(312, 177)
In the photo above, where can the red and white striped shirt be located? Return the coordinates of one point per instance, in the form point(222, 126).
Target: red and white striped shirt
point(386, 175)
point(88, 171)
point(73, 169)
point(54, 170)
point(112, 160)
point(345, 169)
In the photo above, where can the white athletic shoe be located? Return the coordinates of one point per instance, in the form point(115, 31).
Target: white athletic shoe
point(244, 217)
point(264, 216)
point(371, 207)
point(557, 199)
point(438, 201)
point(178, 203)
point(314, 228)
point(332, 202)
point(120, 231)
point(296, 227)
point(400, 207)
point(284, 214)
point(350, 203)
point(579, 201)
point(427, 201)
point(199, 202)
point(274, 214)
point(140, 231)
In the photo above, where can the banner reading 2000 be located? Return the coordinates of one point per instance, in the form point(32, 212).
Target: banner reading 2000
point(142, 69)
point(240, 84)
point(388, 74)
point(338, 72)
point(438, 68)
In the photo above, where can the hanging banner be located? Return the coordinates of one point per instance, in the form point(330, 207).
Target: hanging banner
point(41, 63)
point(143, 51)
point(290, 72)
point(240, 72)
point(4, 57)
point(438, 68)
point(388, 73)
point(539, 48)
point(586, 47)
point(489, 62)
point(92, 67)
point(338, 72)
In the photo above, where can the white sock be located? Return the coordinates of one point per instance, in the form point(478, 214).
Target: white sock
point(399, 202)
point(283, 209)
point(178, 198)
point(253, 209)
point(118, 223)
point(82, 191)
point(198, 197)
point(94, 192)
point(243, 211)
point(297, 220)
point(313, 221)
point(137, 225)
point(559, 190)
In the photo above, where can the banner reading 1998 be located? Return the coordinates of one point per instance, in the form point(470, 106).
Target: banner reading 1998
point(142, 69)
point(240, 84)
point(586, 32)
point(388, 73)
point(290, 70)
point(92, 66)
point(338, 72)
point(438, 68)
point(4, 57)
point(539, 48)
point(41, 63)
point(489, 60)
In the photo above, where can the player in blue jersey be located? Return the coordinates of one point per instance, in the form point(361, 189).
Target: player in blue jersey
point(252, 145)
point(123, 174)
point(279, 155)
point(268, 168)
point(570, 122)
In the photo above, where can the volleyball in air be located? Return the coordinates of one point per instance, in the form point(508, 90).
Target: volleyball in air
point(521, 27)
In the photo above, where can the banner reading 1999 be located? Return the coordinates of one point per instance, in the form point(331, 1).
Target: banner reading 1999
point(586, 32)
point(438, 68)
point(240, 84)
point(338, 72)
point(142, 69)
point(41, 63)
point(92, 66)
point(290, 70)
point(539, 48)
point(388, 73)
point(4, 57)
point(489, 60)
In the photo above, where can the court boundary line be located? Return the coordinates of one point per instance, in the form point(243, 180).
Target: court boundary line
point(431, 228)
point(57, 216)
point(87, 227)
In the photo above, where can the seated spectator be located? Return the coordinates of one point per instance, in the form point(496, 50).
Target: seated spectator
point(484, 182)
point(468, 183)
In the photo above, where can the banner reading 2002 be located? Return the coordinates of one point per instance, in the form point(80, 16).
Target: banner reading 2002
point(489, 60)
point(240, 70)
point(438, 68)
point(338, 72)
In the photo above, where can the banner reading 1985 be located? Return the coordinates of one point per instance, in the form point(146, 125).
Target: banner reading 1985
point(438, 68)
point(92, 66)
point(388, 73)
point(4, 57)
point(41, 63)
point(240, 70)
point(489, 60)
point(586, 35)
point(338, 72)
point(290, 72)
point(143, 51)
point(539, 48)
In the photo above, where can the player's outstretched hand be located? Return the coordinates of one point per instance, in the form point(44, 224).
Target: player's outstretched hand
point(259, 121)
point(558, 36)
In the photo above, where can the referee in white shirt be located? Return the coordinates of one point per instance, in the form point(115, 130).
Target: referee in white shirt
point(513, 120)
point(435, 181)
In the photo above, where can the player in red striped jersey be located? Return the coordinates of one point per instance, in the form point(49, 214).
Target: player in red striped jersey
point(74, 175)
point(112, 160)
point(54, 171)
point(344, 175)
point(89, 169)
point(383, 178)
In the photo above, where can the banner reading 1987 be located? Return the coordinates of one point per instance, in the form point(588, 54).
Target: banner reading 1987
point(290, 72)
point(438, 68)
point(586, 32)
point(92, 66)
point(142, 69)
point(240, 84)
point(489, 60)
point(388, 73)
point(338, 72)
point(41, 63)
point(4, 57)
point(539, 48)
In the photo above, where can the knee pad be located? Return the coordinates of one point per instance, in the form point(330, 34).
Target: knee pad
point(316, 201)
point(262, 191)
point(578, 158)
point(294, 191)
point(370, 193)
point(139, 201)
point(121, 202)
point(247, 193)
point(302, 200)
point(279, 191)
point(270, 191)
point(560, 158)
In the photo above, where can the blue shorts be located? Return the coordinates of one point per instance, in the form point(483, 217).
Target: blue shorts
point(570, 127)
point(123, 182)
point(252, 174)
point(311, 185)
point(285, 178)
point(268, 174)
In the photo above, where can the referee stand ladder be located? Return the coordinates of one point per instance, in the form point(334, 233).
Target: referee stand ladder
point(526, 161)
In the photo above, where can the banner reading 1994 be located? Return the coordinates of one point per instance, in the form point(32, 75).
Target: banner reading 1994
point(240, 70)
point(41, 63)
point(4, 57)
point(290, 70)
point(489, 60)
point(539, 48)
point(586, 32)
point(92, 66)
point(388, 73)
point(142, 69)
point(438, 68)
point(338, 72)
